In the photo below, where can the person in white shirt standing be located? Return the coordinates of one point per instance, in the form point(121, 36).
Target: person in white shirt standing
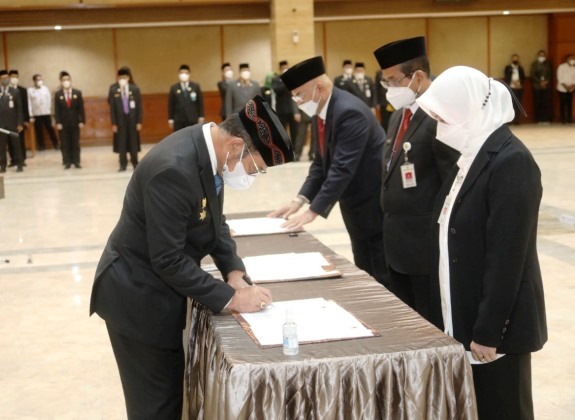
point(565, 87)
point(40, 102)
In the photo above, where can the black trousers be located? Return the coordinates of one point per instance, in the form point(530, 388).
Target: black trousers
point(6, 140)
point(152, 378)
point(412, 290)
point(12, 150)
point(44, 121)
point(70, 140)
point(127, 143)
point(301, 135)
point(542, 105)
point(368, 255)
point(503, 388)
point(566, 106)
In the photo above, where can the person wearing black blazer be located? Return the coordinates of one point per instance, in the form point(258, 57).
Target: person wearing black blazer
point(14, 81)
point(346, 167)
point(486, 288)
point(11, 119)
point(362, 86)
point(126, 116)
point(227, 78)
point(172, 217)
point(343, 81)
point(407, 208)
point(286, 108)
point(70, 118)
point(514, 76)
point(185, 101)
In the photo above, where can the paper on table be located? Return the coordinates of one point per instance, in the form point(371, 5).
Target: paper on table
point(290, 266)
point(257, 226)
point(317, 320)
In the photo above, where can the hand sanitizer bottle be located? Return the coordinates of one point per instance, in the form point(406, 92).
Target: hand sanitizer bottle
point(291, 345)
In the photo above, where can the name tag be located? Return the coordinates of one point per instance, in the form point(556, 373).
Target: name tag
point(11, 104)
point(408, 175)
point(132, 104)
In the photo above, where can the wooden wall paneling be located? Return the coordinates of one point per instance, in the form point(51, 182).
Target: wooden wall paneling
point(249, 44)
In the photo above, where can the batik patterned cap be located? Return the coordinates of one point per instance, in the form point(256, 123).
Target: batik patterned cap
point(267, 132)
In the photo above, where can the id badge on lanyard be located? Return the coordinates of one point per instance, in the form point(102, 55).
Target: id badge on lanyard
point(408, 169)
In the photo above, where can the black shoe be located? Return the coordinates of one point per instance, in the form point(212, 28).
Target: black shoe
point(2, 170)
point(11, 165)
point(24, 164)
point(122, 169)
point(19, 169)
point(67, 166)
point(78, 166)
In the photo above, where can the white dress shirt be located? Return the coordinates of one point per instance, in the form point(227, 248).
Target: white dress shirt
point(40, 101)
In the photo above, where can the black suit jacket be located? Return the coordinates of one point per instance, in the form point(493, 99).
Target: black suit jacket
point(185, 107)
point(10, 116)
point(496, 288)
point(350, 171)
point(407, 212)
point(365, 92)
point(23, 92)
point(508, 72)
point(285, 105)
point(117, 112)
point(73, 115)
point(170, 220)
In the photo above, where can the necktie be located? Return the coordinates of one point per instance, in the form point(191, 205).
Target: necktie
point(218, 181)
point(402, 129)
point(68, 100)
point(125, 104)
point(321, 134)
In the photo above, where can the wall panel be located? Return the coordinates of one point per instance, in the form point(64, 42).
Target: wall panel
point(155, 54)
point(86, 55)
point(524, 35)
point(356, 40)
point(458, 41)
point(248, 44)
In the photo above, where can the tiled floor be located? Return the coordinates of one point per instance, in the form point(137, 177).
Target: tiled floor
point(56, 363)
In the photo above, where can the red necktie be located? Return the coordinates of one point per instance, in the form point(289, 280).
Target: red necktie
point(68, 100)
point(321, 132)
point(402, 129)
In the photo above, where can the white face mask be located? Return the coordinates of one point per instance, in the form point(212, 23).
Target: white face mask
point(66, 84)
point(184, 77)
point(452, 135)
point(229, 74)
point(123, 82)
point(360, 76)
point(571, 62)
point(400, 96)
point(348, 71)
point(541, 59)
point(39, 83)
point(245, 74)
point(14, 81)
point(238, 179)
point(310, 107)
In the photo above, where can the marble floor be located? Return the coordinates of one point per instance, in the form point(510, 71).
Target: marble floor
point(57, 363)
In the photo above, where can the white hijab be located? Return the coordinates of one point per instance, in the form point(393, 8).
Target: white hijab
point(472, 105)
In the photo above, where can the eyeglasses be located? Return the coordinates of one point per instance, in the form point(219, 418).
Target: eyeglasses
point(395, 83)
point(258, 170)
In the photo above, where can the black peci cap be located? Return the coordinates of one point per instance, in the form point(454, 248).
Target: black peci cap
point(267, 132)
point(244, 66)
point(63, 73)
point(303, 72)
point(3, 72)
point(123, 71)
point(398, 52)
point(184, 67)
point(226, 65)
point(359, 65)
point(346, 63)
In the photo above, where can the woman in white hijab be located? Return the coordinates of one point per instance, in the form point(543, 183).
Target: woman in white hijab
point(486, 286)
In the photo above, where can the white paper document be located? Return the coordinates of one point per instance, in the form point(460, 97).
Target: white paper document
point(317, 320)
point(257, 226)
point(290, 266)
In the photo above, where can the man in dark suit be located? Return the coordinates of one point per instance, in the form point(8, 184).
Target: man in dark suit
point(227, 78)
point(408, 193)
point(362, 86)
point(171, 219)
point(285, 107)
point(344, 79)
point(14, 81)
point(126, 115)
point(11, 119)
point(346, 167)
point(70, 118)
point(241, 90)
point(514, 76)
point(185, 102)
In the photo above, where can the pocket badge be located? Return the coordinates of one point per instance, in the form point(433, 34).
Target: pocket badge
point(204, 213)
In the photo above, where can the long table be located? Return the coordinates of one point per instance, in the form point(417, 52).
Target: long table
point(411, 371)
